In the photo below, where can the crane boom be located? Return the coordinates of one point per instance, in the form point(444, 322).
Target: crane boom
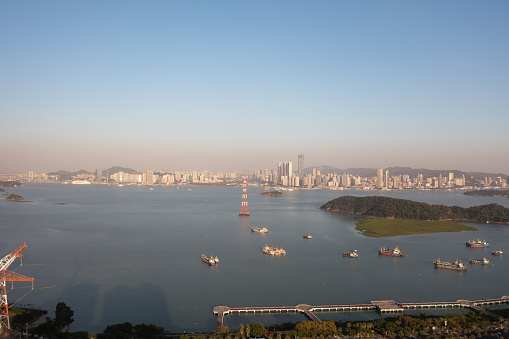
point(8, 276)
point(9, 258)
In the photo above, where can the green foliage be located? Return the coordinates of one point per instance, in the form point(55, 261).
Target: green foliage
point(14, 197)
point(314, 329)
point(150, 331)
point(489, 193)
point(385, 207)
point(63, 315)
point(378, 227)
point(117, 331)
point(222, 329)
point(248, 330)
point(258, 330)
point(21, 316)
point(45, 328)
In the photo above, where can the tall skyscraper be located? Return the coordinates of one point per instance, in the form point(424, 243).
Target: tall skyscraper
point(301, 167)
point(99, 175)
point(379, 178)
point(387, 179)
point(285, 171)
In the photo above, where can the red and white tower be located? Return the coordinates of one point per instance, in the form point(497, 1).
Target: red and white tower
point(266, 181)
point(244, 210)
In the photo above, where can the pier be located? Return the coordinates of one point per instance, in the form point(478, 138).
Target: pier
point(383, 306)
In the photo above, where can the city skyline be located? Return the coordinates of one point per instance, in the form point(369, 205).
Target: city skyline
point(239, 86)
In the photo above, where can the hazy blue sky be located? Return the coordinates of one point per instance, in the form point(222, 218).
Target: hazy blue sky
point(236, 85)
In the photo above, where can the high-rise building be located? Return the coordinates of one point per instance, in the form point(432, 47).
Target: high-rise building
point(98, 175)
point(149, 179)
point(284, 171)
point(379, 178)
point(301, 167)
point(387, 179)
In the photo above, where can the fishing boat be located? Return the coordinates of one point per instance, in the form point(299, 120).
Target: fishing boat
point(273, 250)
point(351, 254)
point(393, 253)
point(482, 261)
point(210, 261)
point(477, 243)
point(308, 237)
point(259, 230)
point(457, 265)
point(497, 252)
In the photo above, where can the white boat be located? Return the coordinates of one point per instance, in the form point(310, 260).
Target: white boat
point(308, 237)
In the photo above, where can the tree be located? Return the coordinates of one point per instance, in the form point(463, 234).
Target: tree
point(248, 330)
point(118, 331)
point(144, 331)
point(258, 330)
point(63, 315)
point(241, 330)
point(222, 329)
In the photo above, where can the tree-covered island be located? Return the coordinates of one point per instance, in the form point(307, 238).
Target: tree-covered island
point(14, 197)
point(392, 217)
point(488, 193)
point(273, 194)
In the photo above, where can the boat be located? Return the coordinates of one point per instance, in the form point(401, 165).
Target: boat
point(457, 265)
point(259, 230)
point(482, 261)
point(477, 243)
point(497, 252)
point(308, 237)
point(351, 254)
point(210, 261)
point(393, 253)
point(273, 250)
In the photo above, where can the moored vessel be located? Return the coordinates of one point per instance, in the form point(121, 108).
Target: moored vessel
point(497, 252)
point(457, 265)
point(351, 254)
point(393, 253)
point(260, 230)
point(482, 261)
point(273, 250)
point(210, 261)
point(477, 243)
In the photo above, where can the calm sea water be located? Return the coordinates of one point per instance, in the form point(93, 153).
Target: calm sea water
point(118, 254)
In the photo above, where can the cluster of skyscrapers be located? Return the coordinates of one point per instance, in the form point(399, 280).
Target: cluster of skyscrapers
point(282, 176)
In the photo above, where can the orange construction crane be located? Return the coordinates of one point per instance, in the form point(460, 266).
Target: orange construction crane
point(5, 275)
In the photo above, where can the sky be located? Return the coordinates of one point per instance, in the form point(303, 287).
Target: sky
point(240, 85)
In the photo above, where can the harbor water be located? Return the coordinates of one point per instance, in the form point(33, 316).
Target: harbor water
point(132, 254)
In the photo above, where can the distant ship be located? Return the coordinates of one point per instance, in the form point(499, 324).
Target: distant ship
point(259, 230)
point(497, 252)
point(80, 182)
point(482, 261)
point(457, 265)
point(351, 254)
point(211, 261)
point(308, 237)
point(273, 250)
point(393, 253)
point(477, 243)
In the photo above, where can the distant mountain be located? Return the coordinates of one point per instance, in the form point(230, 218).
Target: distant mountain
point(66, 175)
point(412, 172)
point(116, 169)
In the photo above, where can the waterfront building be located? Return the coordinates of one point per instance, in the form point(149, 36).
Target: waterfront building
point(387, 179)
point(301, 167)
